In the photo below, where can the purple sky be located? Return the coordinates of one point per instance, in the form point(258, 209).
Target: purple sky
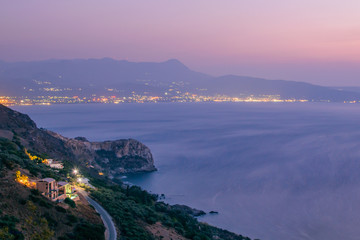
point(304, 40)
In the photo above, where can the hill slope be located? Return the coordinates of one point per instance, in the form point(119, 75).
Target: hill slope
point(26, 214)
point(111, 157)
point(237, 85)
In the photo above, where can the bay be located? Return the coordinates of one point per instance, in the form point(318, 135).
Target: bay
point(271, 170)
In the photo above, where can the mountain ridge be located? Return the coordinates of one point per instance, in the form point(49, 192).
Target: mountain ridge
point(171, 78)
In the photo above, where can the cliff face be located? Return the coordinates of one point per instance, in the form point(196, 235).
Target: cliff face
point(120, 156)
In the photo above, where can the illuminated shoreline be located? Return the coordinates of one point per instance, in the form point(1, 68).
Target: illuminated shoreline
point(49, 100)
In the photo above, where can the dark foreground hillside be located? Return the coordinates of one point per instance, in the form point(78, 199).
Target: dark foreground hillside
point(26, 214)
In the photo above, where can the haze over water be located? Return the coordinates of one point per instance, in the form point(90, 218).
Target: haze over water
point(272, 171)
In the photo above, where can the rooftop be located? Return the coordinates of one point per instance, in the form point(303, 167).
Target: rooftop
point(47, 180)
point(62, 183)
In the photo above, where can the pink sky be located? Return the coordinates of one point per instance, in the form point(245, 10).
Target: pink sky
point(315, 41)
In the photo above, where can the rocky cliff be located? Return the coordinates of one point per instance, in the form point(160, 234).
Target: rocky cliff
point(113, 157)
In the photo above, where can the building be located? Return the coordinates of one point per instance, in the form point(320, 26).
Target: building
point(66, 190)
point(48, 187)
point(49, 161)
point(54, 164)
point(56, 191)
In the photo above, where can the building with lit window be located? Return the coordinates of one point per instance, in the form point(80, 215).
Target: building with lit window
point(48, 187)
point(56, 191)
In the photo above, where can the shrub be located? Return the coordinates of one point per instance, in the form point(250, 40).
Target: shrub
point(8, 221)
point(70, 202)
point(44, 203)
point(34, 199)
point(89, 231)
point(51, 221)
point(72, 218)
point(151, 220)
point(60, 209)
point(9, 164)
point(35, 192)
point(5, 234)
point(64, 238)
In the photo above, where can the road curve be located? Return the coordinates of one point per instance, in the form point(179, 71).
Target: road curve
point(110, 232)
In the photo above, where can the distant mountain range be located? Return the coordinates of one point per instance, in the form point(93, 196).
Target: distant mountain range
point(170, 78)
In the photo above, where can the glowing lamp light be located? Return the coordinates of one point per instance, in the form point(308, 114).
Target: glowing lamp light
point(75, 171)
point(79, 180)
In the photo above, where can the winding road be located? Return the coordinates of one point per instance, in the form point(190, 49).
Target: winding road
point(110, 232)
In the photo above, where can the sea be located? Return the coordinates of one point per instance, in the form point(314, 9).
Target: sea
point(271, 170)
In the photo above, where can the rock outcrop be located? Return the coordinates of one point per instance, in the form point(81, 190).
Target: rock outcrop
point(188, 210)
point(112, 157)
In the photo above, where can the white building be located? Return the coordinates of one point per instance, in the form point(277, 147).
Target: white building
point(54, 164)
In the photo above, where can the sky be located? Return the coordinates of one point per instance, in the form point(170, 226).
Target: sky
point(316, 41)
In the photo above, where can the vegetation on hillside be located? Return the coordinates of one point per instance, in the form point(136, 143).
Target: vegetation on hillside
point(133, 209)
point(26, 214)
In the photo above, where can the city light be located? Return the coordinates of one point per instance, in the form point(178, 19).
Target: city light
point(75, 171)
point(140, 98)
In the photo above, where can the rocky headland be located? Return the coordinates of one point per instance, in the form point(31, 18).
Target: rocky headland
point(111, 157)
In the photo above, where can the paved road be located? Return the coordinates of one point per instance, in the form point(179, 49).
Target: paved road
point(110, 232)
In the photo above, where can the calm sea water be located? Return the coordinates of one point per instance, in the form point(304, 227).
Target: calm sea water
point(272, 171)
